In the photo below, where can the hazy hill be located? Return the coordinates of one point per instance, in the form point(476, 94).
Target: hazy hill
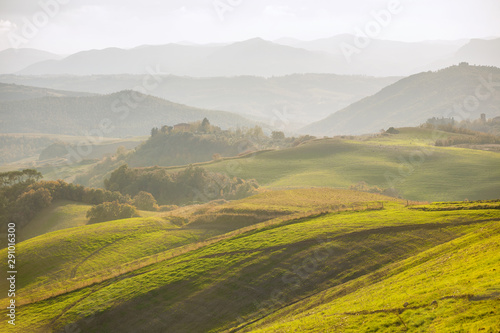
point(120, 111)
point(257, 57)
point(170, 58)
point(413, 100)
point(298, 99)
point(476, 52)
point(381, 57)
point(251, 57)
point(263, 58)
point(13, 60)
point(12, 92)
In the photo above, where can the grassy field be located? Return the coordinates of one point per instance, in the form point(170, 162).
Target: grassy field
point(454, 287)
point(60, 215)
point(407, 162)
point(417, 170)
point(325, 258)
point(76, 254)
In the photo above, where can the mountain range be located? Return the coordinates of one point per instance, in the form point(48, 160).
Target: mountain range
point(259, 57)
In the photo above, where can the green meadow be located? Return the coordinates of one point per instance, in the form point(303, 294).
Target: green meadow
point(322, 260)
point(408, 162)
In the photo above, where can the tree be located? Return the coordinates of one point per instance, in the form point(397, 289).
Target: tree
point(145, 201)
point(277, 135)
point(120, 179)
point(109, 211)
point(205, 126)
point(31, 202)
point(392, 130)
point(257, 132)
point(165, 129)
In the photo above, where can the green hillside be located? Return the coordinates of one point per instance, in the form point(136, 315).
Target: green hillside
point(60, 215)
point(66, 238)
point(318, 261)
point(414, 99)
point(453, 287)
point(408, 161)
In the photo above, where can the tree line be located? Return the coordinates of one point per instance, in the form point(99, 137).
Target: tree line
point(23, 195)
point(189, 143)
point(191, 185)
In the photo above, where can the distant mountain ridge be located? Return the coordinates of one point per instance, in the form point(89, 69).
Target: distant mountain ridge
point(14, 60)
point(449, 92)
point(259, 57)
point(191, 60)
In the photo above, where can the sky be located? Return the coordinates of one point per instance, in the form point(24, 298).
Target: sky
point(68, 26)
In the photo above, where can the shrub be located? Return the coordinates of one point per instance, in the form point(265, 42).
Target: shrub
point(392, 130)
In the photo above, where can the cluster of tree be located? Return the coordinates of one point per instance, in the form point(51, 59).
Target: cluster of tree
point(464, 128)
point(435, 121)
point(109, 211)
point(191, 185)
point(477, 139)
point(392, 130)
point(472, 127)
point(490, 126)
point(23, 194)
point(13, 148)
point(189, 143)
point(363, 186)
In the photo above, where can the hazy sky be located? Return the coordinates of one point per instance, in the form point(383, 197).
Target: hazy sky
point(92, 24)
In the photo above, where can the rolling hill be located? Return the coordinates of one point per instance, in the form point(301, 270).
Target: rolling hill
point(378, 265)
point(476, 52)
point(13, 60)
point(287, 101)
point(459, 295)
point(406, 164)
point(121, 114)
point(14, 92)
point(413, 100)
